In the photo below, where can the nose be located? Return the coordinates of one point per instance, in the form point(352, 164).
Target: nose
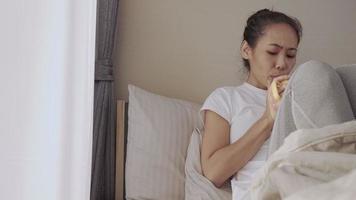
point(281, 63)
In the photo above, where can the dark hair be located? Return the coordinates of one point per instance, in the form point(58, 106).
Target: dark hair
point(257, 22)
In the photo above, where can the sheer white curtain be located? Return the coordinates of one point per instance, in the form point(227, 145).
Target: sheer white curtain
point(46, 105)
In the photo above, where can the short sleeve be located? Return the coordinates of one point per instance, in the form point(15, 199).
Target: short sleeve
point(219, 101)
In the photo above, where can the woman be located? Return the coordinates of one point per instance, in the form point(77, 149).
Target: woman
point(238, 120)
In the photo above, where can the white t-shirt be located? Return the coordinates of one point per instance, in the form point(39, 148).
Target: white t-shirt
point(241, 106)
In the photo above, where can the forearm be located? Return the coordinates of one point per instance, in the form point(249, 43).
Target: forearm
point(227, 161)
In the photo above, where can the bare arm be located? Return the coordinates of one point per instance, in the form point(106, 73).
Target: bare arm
point(219, 158)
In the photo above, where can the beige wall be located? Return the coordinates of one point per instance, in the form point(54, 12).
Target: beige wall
point(185, 49)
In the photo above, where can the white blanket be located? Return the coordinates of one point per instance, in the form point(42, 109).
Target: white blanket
point(311, 164)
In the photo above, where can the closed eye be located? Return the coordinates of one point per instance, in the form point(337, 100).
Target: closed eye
point(272, 53)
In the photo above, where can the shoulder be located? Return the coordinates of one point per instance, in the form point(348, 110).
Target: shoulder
point(222, 101)
point(226, 92)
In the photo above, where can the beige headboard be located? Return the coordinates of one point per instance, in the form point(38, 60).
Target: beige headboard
point(120, 149)
point(185, 49)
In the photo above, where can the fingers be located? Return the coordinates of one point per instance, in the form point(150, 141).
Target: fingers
point(281, 82)
point(275, 92)
point(281, 78)
point(282, 86)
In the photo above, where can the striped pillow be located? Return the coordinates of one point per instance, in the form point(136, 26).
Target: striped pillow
point(159, 129)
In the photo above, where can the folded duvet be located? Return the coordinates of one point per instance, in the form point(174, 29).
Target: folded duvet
point(311, 164)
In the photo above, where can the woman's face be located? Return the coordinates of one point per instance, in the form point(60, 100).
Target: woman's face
point(274, 54)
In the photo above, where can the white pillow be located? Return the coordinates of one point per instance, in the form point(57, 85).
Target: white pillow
point(159, 130)
point(196, 185)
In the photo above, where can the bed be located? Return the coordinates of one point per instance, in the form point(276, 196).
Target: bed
point(169, 124)
point(121, 136)
point(158, 153)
